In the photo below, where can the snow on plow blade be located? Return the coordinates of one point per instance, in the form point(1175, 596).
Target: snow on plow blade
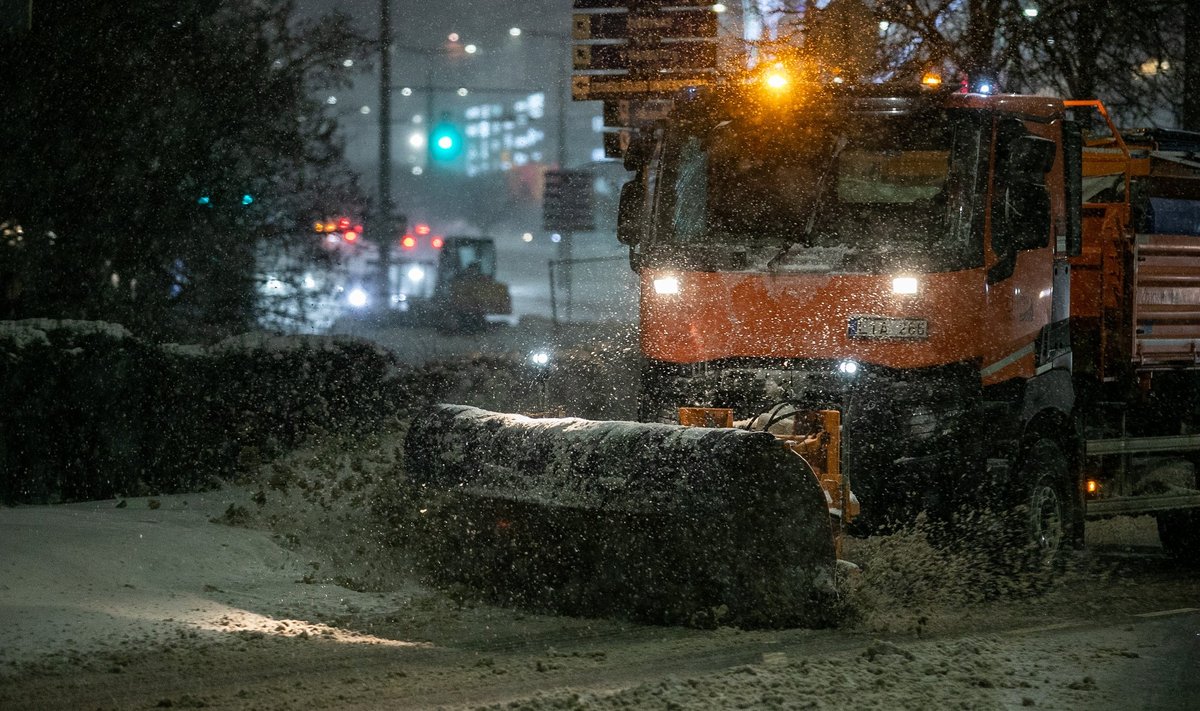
point(656, 523)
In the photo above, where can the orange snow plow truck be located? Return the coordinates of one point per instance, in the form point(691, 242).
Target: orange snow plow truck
point(908, 299)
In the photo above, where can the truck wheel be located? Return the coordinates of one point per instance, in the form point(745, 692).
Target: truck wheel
point(1042, 521)
point(1179, 532)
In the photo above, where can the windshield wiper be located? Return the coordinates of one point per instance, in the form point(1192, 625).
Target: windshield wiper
point(815, 210)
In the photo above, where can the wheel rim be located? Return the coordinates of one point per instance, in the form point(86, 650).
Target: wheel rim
point(1046, 526)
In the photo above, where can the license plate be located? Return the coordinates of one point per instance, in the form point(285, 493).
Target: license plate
point(882, 327)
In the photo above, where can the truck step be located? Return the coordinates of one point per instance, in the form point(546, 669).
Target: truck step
point(1137, 505)
point(1143, 445)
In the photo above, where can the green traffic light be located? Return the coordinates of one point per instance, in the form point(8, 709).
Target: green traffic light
point(445, 142)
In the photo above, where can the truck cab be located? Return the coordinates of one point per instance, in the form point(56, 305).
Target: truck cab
point(903, 254)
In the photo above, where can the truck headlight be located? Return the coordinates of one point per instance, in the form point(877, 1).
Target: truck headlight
point(666, 285)
point(905, 285)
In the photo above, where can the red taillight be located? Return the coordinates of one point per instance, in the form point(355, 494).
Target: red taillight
point(409, 242)
point(437, 242)
point(343, 224)
point(421, 229)
point(350, 236)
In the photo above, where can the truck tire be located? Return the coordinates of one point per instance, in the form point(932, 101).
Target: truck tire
point(1042, 522)
point(1179, 533)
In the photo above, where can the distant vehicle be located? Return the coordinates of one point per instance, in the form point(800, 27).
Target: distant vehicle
point(465, 290)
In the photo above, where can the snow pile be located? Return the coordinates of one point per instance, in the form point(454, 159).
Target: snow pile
point(925, 577)
point(339, 503)
point(92, 412)
point(966, 674)
point(109, 577)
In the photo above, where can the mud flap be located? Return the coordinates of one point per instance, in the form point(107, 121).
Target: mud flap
point(655, 523)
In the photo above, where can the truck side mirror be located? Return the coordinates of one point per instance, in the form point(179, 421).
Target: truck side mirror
point(630, 209)
point(640, 151)
point(1021, 211)
point(1073, 179)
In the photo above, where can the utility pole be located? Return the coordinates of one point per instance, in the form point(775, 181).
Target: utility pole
point(1191, 67)
point(561, 84)
point(385, 230)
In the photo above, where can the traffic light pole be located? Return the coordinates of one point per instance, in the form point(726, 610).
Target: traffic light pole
point(384, 229)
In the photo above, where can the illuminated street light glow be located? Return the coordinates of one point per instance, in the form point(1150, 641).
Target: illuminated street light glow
point(331, 100)
point(527, 237)
point(884, 25)
point(365, 110)
point(1031, 12)
point(357, 297)
point(1152, 67)
point(417, 170)
point(416, 273)
point(556, 238)
point(776, 77)
point(719, 7)
point(453, 37)
point(416, 139)
point(406, 91)
point(347, 62)
point(471, 49)
point(514, 31)
point(462, 91)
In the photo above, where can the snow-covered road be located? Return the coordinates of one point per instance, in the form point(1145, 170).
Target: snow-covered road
point(155, 605)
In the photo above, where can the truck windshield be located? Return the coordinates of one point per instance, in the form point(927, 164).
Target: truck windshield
point(858, 194)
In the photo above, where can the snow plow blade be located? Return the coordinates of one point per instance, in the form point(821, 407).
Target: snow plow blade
point(649, 522)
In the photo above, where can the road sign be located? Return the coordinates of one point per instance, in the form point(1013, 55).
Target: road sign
point(567, 201)
point(673, 55)
point(622, 86)
point(654, 24)
point(622, 113)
